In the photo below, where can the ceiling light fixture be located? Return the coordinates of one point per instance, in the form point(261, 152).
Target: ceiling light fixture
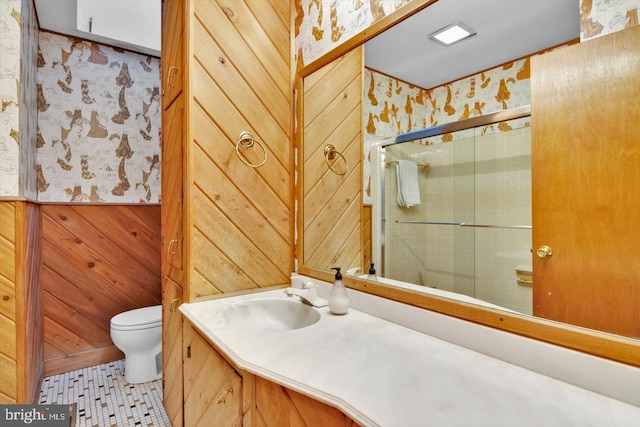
point(452, 33)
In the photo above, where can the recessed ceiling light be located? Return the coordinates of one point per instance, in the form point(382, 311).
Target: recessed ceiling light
point(452, 33)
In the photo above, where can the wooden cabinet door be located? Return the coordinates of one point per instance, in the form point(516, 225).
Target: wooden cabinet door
point(172, 189)
point(585, 128)
point(172, 350)
point(172, 65)
point(279, 406)
point(212, 388)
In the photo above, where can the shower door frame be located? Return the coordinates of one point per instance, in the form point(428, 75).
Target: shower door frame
point(473, 122)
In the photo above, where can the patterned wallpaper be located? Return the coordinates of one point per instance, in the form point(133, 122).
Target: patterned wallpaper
point(601, 17)
point(28, 101)
point(322, 25)
point(393, 107)
point(9, 93)
point(98, 122)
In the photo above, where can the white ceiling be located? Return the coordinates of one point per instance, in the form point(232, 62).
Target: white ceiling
point(506, 30)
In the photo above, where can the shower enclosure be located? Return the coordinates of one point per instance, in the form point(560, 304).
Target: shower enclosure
point(471, 232)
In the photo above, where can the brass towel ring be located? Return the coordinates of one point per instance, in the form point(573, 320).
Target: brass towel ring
point(330, 153)
point(246, 141)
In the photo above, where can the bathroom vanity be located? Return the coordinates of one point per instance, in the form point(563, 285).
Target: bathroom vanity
point(360, 368)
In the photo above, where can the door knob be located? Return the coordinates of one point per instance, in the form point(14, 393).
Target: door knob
point(544, 251)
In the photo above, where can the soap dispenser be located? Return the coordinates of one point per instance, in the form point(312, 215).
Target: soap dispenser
point(338, 300)
point(372, 273)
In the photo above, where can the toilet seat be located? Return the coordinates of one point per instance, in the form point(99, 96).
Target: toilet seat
point(138, 319)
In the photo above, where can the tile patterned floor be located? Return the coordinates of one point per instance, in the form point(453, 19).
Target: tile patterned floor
point(104, 399)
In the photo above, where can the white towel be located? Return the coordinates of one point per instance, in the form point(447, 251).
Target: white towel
point(408, 187)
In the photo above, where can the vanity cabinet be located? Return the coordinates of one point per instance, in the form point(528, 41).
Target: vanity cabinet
point(216, 393)
point(172, 350)
point(213, 389)
point(279, 406)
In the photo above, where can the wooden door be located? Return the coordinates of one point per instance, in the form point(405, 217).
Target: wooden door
point(172, 50)
point(279, 406)
point(585, 132)
point(172, 191)
point(172, 351)
point(212, 388)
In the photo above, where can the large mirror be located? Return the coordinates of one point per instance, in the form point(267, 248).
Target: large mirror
point(349, 213)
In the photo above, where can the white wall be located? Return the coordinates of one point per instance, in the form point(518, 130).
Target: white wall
point(133, 21)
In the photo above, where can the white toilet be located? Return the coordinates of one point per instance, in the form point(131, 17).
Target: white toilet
point(138, 333)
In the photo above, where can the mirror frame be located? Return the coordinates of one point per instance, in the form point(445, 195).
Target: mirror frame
point(609, 346)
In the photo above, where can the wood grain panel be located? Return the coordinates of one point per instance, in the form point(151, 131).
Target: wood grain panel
point(172, 50)
point(586, 180)
point(97, 261)
point(8, 370)
point(172, 190)
point(172, 380)
point(206, 376)
point(240, 217)
point(367, 223)
point(279, 406)
point(30, 332)
point(20, 309)
point(332, 203)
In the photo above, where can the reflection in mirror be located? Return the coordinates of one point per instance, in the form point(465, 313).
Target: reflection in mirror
point(469, 232)
point(480, 176)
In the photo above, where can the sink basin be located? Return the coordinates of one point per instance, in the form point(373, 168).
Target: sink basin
point(272, 314)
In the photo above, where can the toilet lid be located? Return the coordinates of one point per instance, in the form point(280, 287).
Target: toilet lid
point(143, 317)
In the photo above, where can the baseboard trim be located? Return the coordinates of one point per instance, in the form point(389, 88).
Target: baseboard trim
point(72, 362)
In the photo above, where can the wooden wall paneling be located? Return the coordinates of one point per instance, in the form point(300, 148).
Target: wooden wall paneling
point(331, 218)
point(586, 179)
point(241, 81)
point(21, 352)
point(8, 368)
point(97, 261)
point(367, 221)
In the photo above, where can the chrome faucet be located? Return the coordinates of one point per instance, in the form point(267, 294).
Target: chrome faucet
point(307, 292)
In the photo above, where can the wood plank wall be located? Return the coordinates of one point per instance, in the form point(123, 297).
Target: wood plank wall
point(8, 365)
point(97, 261)
point(30, 332)
point(332, 203)
point(20, 321)
point(241, 218)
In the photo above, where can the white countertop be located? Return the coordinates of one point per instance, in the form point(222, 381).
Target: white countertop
point(383, 374)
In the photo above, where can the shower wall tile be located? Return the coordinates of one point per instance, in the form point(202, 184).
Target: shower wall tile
point(98, 123)
point(601, 17)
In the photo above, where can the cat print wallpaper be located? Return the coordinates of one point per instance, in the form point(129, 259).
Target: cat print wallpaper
point(9, 93)
point(322, 25)
point(98, 123)
point(392, 107)
point(601, 17)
